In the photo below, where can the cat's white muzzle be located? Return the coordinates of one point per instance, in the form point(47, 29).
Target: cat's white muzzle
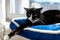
point(33, 21)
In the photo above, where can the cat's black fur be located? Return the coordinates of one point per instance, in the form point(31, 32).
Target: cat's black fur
point(51, 16)
point(32, 15)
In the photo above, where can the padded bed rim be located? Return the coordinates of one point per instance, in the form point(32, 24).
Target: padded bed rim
point(43, 31)
point(37, 30)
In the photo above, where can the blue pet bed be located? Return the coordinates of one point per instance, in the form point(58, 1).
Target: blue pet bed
point(38, 32)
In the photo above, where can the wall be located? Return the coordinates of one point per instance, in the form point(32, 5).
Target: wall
point(1, 11)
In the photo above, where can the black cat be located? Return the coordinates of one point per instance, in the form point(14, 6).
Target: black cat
point(51, 16)
point(33, 18)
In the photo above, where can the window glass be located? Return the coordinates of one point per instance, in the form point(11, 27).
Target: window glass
point(17, 6)
point(46, 4)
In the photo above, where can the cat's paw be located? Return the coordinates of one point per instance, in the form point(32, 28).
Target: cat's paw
point(6, 37)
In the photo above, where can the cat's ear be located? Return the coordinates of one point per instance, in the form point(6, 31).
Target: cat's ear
point(26, 9)
point(39, 8)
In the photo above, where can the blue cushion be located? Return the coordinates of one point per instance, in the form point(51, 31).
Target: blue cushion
point(36, 35)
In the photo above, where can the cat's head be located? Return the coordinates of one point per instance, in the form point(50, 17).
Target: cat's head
point(33, 13)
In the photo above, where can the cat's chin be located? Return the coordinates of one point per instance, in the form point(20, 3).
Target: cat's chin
point(6, 37)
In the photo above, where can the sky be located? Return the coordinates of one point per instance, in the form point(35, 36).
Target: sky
point(47, 0)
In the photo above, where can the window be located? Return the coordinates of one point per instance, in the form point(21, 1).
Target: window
point(47, 4)
point(15, 8)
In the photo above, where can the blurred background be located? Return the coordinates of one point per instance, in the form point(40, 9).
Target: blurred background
point(10, 9)
point(15, 8)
